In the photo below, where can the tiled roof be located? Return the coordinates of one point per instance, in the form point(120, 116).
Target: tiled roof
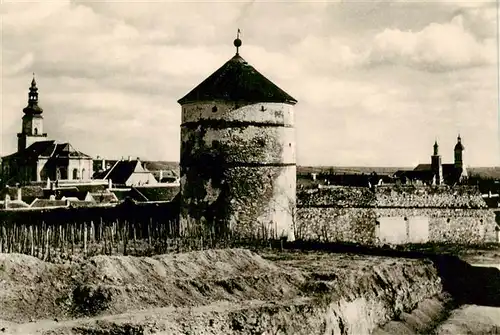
point(237, 81)
point(28, 193)
point(42, 203)
point(72, 192)
point(156, 193)
point(14, 204)
point(423, 167)
point(121, 171)
point(104, 197)
point(48, 149)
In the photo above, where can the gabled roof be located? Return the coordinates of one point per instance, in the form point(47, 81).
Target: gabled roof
point(42, 203)
point(121, 171)
point(237, 81)
point(155, 193)
point(72, 192)
point(104, 197)
point(423, 167)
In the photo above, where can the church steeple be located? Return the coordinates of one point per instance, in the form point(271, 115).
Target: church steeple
point(33, 108)
point(459, 148)
point(32, 124)
point(436, 148)
point(436, 166)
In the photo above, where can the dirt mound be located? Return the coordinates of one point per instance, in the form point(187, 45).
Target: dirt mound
point(117, 284)
point(32, 286)
point(109, 285)
point(219, 292)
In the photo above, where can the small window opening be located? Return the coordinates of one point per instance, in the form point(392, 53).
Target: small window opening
point(214, 109)
point(262, 108)
point(36, 131)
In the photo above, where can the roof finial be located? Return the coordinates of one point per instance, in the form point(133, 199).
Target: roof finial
point(237, 41)
point(33, 82)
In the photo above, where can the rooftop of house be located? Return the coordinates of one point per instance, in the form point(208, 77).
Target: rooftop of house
point(121, 171)
point(154, 193)
point(49, 149)
point(72, 192)
point(13, 204)
point(104, 197)
point(237, 81)
point(28, 193)
point(43, 203)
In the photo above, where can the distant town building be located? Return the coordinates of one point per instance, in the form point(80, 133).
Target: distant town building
point(127, 172)
point(38, 158)
point(437, 173)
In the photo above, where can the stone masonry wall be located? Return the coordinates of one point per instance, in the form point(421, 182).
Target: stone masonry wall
point(435, 214)
point(238, 173)
point(359, 225)
point(355, 225)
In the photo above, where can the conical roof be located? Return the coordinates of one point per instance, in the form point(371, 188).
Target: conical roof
point(237, 81)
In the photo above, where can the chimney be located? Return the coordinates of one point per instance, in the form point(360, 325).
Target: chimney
point(48, 183)
point(19, 194)
point(52, 197)
point(129, 158)
point(161, 176)
point(103, 164)
point(52, 186)
point(110, 184)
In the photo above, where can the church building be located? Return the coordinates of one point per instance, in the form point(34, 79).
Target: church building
point(38, 158)
point(437, 173)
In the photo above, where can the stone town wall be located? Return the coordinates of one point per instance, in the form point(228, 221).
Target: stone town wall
point(238, 172)
point(421, 214)
point(359, 225)
point(442, 197)
point(330, 224)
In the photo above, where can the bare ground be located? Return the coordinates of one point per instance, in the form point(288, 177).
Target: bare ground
point(211, 292)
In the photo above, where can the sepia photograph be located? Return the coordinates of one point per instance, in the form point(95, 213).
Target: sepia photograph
point(249, 167)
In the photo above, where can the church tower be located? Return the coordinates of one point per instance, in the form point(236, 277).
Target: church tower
point(32, 124)
point(238, 165)
point(461, 171)
point(436, 166)
point(459, 149)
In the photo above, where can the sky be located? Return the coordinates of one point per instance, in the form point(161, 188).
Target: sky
point(376, 82)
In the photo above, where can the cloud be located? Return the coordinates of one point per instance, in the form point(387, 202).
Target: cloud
point(110, 73)
point(438, 47)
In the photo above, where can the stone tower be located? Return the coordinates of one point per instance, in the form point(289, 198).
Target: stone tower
point(238, 168)
point(436, 166)
point(32, 125)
